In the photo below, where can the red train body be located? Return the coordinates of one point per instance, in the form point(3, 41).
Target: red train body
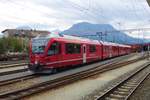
point(48, 53)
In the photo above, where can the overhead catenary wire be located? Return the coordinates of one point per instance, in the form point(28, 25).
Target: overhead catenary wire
point(123, 30)
point(133, 2)
point(88, 10)
point(146, 11)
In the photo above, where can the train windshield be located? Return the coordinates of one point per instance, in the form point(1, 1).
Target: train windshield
point(38, 45)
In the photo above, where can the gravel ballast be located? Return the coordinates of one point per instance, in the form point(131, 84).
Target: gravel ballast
point(143, 91)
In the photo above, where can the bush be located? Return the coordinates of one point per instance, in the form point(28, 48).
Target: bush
point(13, 44)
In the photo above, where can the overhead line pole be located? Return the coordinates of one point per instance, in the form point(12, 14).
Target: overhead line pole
point(100, 34)
point(130, 30)
point(124, 30)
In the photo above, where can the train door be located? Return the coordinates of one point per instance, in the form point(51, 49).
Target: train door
point(84, 53)
point(110, 51)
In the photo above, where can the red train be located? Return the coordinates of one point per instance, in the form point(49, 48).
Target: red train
point(56, 51)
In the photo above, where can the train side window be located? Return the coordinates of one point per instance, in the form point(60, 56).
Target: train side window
point(92, 48)
point(54, 49)
point(69, 48)
point(77, 48)
point(72, 48)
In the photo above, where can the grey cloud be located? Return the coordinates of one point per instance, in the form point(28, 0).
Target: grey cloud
point(97, 11)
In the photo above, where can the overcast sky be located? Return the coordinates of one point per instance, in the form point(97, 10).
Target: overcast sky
point(61, 14)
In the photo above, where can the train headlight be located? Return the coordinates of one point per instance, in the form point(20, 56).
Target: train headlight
point(36, 62)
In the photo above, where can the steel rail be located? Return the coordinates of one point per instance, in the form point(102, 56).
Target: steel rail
point(125, 88)
point(12, 62)
point(18, 79)
point(12, 65)
point(13, 71)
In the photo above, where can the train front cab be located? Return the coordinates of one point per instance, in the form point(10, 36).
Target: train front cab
point(40, 61)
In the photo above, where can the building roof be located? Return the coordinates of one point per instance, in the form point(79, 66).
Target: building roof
point(42, 31)
point(24, 32)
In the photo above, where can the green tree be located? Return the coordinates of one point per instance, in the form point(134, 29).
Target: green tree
point(2, 46)
point(13, 44)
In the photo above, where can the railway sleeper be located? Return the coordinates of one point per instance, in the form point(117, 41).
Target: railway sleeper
point(117, 96)
point(124, 90)
point(108, 98)
point(12, 96)
point(121, 92)
point(134, 80)
point(126, 87)
point(130, 85)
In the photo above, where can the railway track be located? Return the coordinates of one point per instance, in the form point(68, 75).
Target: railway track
point(125, 88)
point(14, 80)
point(12, 62)
point(18, 79)
point(12, 68)
point(35, 88)
point(12, 65)
point(9, 71)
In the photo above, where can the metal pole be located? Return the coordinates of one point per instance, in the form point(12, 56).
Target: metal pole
point(105, 36)
point(114, 39)
point(99, 35)
point(149, 51)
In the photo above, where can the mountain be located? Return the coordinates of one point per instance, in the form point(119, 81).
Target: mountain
point(87, 29)
point(56, 31)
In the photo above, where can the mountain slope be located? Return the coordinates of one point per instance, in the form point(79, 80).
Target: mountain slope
point(84, 28)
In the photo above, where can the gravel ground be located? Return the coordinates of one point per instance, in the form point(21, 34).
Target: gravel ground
point(19, 85)
point(143, 91)
point(82, 89)
point(135, 56)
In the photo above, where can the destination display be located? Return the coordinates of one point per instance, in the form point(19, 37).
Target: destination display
point(39, 42)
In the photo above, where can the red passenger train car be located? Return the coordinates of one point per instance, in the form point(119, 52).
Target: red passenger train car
point(56, 51)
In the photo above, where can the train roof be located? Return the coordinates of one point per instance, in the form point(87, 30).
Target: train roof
point(69, 37)
point(114, 44)
point(123, 45)
point(108, 43)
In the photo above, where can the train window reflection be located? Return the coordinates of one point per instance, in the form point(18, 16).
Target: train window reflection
point(54, 49)
point(72, 48)
point(38, 49)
